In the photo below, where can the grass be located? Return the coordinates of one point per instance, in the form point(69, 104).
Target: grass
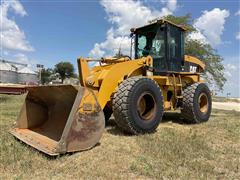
point(176, 151)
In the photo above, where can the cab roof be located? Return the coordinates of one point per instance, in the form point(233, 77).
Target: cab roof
point(159, 21)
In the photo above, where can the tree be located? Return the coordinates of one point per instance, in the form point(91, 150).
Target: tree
point(46, 75)
point(65, 70)
point(185, 21)
point(214, 68)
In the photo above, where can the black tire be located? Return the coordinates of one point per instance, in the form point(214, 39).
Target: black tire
point(138, 105)
point(197, 103)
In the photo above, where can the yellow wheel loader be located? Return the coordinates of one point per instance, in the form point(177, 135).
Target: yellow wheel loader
point(63, 118)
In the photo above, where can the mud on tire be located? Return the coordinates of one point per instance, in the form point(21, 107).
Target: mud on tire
point(138, 105)
point(197, 103)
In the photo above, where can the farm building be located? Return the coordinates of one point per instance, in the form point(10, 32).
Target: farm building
point(17, 73)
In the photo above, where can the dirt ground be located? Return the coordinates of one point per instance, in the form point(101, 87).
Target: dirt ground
point(226, 106)
point(175, 151)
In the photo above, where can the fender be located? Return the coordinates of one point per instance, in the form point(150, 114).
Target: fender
point(196, 61)
point(116, 74)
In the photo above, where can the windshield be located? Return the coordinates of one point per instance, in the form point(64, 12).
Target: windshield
point(150, 43)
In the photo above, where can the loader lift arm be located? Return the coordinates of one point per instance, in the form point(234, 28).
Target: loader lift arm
point(104, 80)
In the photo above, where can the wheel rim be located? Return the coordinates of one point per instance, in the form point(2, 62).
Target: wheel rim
point(203, 103)
point(146, 106)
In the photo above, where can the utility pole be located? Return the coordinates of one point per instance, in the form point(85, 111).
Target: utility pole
point(40, 67)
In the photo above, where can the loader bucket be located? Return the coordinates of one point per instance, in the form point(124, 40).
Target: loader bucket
point(60, 119)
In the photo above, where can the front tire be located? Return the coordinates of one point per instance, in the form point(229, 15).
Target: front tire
point(197, 103)
point(138, 105)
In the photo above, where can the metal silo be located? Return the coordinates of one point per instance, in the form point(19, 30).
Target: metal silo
point(8, 73)
point(27, 76)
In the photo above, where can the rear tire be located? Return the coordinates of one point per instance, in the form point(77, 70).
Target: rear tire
point(197, 103)
point(138, 105)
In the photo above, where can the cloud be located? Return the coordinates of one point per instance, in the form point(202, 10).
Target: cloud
point(127, 14)
point(237, 13)
point(238, 36)
point(172, 5)
point(197, 35)
point(24, 59)
point(229, 69)
point(123, 15)
point(97, 50)
point(21, 58)
point(111, 45)
point(210, 26)
point(232, 73)
point(12, 37)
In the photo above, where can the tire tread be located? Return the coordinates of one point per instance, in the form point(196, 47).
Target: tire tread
point(121, 104)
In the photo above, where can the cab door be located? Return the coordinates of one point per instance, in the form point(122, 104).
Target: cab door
point(175, 48)
point(158, 51)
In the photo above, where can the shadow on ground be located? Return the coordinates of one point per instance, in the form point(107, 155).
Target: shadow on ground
point(173, 117)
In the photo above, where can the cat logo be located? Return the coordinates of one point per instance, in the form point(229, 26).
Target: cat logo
point(193, 69)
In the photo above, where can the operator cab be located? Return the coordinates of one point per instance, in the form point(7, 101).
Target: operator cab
point(164, 42)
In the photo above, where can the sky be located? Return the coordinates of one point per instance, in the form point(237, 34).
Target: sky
point(47, 32)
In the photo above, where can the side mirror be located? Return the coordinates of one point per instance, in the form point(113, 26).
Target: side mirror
point(131, 35)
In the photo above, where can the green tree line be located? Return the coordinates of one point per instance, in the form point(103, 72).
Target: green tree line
point(62, 70)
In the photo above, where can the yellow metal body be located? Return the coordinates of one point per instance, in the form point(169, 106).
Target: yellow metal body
point(194, 60)
point(105, 78)
point(63, 118)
